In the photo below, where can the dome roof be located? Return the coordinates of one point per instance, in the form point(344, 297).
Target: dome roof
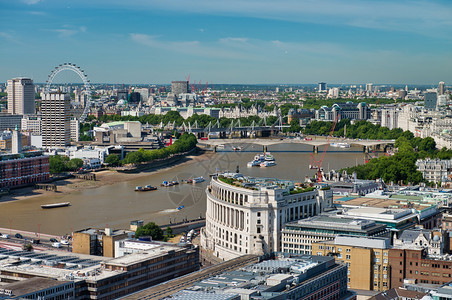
point(436, 238)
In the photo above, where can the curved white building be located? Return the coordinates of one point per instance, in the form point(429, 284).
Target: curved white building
point(246, 215)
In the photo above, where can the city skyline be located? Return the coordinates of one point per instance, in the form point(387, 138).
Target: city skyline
point(235, 42)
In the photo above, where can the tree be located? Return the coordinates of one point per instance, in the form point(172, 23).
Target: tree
point(112, 160)
point(27, 247)
point(57, 163)
point(75, 164)
point(169, 232)
point(150, 229)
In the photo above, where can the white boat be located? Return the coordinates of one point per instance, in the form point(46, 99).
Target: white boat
point(198, 179)
point(254, 163)
point(221, 146)
point(237, 148)
point(340, 145)
point(55, 205)
point(268, 164)
point(268, 156)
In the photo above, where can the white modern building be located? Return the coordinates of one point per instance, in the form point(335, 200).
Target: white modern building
point(21, 96)
point(246, 215)
point(32, 123)
point(75, 129)
point(56, 124)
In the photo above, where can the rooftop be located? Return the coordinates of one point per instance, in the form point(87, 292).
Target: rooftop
point(263, 279)
point(262, 183)
point(333, 222)
point(366, 242)
point(31, 285)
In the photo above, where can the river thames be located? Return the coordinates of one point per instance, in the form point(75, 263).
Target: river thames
point(116, 205)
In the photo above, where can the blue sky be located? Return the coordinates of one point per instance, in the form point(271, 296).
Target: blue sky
point(234, 41)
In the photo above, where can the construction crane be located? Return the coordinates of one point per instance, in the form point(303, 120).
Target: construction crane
point(320, 162)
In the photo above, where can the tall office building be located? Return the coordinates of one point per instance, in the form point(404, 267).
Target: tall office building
point(144, 94)
point(430, 99)
point(322, 87)
point(441, 88)
point(56, 126)
point(179, 87)
point(369, 87)
point(21, 96)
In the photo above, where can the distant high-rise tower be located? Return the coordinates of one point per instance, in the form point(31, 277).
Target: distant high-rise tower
point(430, 100)
point(441, 88)
point(322, 87)
point(21, 96)
point(56, 123)
point(179, 87)
point(369, 87)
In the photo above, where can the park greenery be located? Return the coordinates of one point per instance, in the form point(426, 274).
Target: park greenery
point(61, 164)
point(186, 142)
point(401, 167)
point(154, 231)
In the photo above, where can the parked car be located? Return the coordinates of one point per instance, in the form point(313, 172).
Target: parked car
point(64, 242)
point(53, 240)
point(35, 241)
point(5, 236)
point(56, 245)
point(19, 236)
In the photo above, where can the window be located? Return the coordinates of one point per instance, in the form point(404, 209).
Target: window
point(347, 256)
point(339, 256)
point(376, 260)
point(385, 260)
point(348, 250)
point(339, 249)
point(319, 253)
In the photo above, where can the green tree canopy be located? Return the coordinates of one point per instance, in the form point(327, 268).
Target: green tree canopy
point(150, 229)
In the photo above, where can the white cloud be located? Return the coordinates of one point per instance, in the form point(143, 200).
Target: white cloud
point(10, 37)
point(68, 31)
point(419, 16)
point(31, 2)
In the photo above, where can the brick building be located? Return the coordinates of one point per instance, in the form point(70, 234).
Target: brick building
point(413, 263)
point(23, 169)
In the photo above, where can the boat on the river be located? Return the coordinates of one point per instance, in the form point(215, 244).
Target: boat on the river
point(145, 189)
point(268, 164)
point(198, 179)
point(55, 205)
point(180, 207)
point(169, 183)
point(340, 145)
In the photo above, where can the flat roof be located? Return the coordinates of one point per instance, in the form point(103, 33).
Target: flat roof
point(32, 285)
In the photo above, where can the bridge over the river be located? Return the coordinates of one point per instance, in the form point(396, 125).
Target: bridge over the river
point(315, 142)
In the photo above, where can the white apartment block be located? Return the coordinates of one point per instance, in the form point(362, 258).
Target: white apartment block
point(56, 127)
point(32, 123)
point(435, 170)
point(21, 96)
point(75, 129)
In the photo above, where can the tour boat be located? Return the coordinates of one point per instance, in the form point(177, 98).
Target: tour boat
point(254, 163)
point(180, 207)
point(145, 189)
point(268, 156)
point(198, 179)
point(340, 145)
point(55, 205)
point(268, 164)
point(221, 146)
point(167, 183)
point(237, 148)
